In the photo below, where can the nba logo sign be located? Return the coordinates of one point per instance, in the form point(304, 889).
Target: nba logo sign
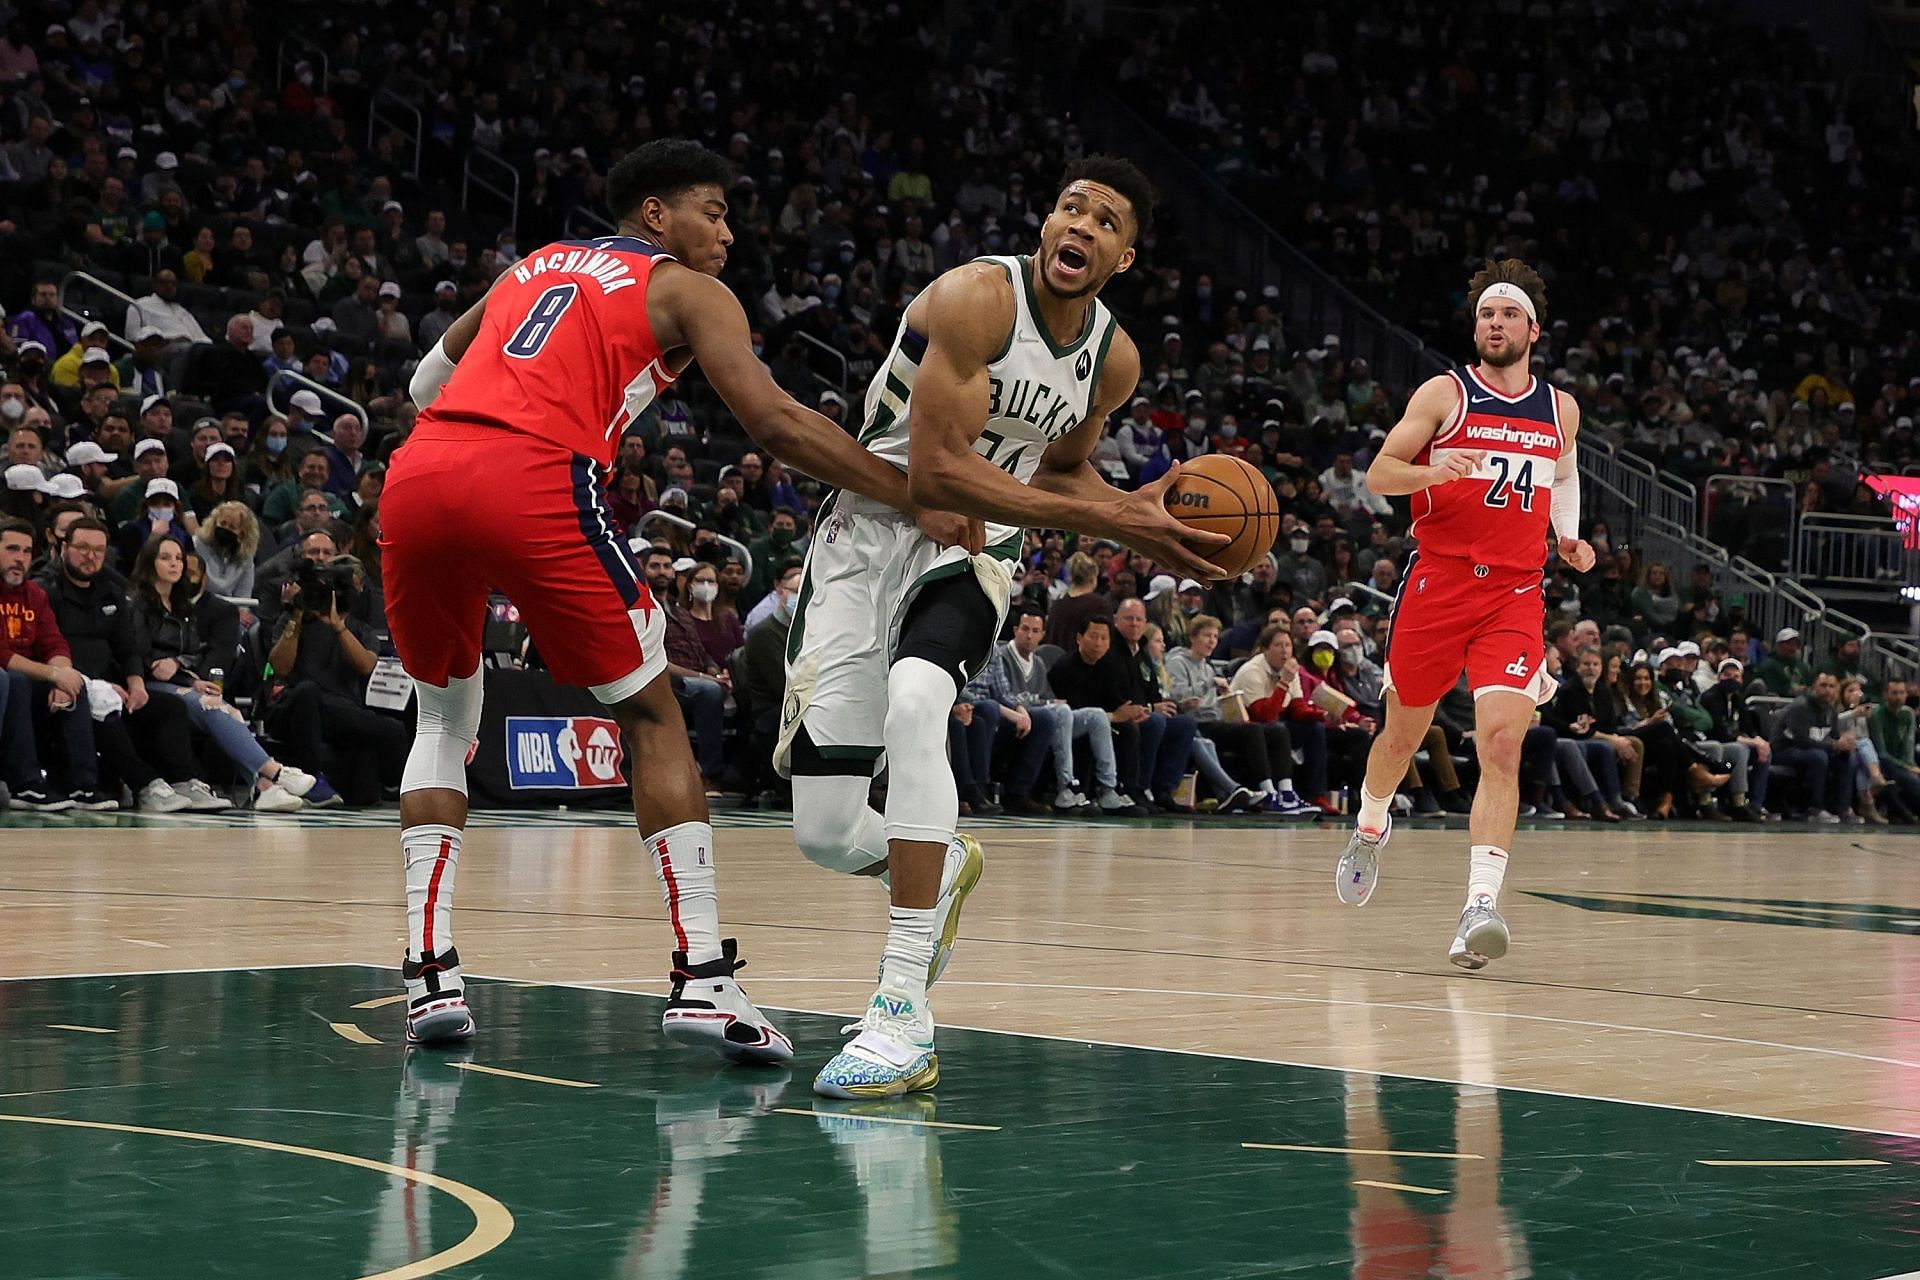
point(565, 753)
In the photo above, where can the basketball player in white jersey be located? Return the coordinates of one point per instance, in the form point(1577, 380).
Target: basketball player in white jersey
point(992, 398)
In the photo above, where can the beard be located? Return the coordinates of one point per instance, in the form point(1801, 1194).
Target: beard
point(1092, 286)
point(1514, 353)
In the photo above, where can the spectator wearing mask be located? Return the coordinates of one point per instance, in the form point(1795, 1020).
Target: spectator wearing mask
point(159, 516)
point(269, 460)
point(1265, 750)
point(720, 631)
point(192, 645)
point(323, 655)
point(700, 684)
point(150, 462)
point(65, 371)
point(226, 543)
point(1299, 568)
point(41, 685)
point(144, 743)
point(763, 663)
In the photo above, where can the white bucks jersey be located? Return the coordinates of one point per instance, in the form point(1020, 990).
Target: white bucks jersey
point(1040, 392)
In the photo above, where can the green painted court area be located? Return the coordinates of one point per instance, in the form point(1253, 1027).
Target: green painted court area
point(1087, 1160)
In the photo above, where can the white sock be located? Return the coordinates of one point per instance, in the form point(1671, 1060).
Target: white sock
point(683, 859)
point(1486, 868)
point(1285, 785)
point(432, 855)
point(909, 948)
point(1373, 811)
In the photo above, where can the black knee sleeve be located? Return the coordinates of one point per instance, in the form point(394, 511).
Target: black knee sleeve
point(951, 623)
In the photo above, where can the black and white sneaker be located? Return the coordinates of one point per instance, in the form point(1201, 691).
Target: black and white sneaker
point(93, 802)
point(39, 800)
point(437, 1012)
point(707, 1009)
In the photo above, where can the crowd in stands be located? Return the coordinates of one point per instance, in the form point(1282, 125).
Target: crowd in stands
point(160, 466)
point(1727, 221)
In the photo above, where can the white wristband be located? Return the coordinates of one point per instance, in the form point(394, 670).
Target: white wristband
point(430, 376)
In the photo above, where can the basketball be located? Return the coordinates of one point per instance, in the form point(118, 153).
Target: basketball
point(1221, 494)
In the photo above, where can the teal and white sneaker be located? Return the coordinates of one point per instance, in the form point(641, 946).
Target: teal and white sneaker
point(891, 1054)
point(1482, 935)
point(965, 861)
point(1358, 870)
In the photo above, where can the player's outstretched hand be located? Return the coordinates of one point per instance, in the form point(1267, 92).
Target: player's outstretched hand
point(1455, 466)
point(950, 530)
point(1577, 553)
point(1141, 521)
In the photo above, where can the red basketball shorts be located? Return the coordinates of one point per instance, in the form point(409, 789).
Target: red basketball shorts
point(1448, 619)
point(467, 512)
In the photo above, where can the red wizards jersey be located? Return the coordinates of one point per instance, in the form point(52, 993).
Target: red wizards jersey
point(565, 352)
point(1499, 515)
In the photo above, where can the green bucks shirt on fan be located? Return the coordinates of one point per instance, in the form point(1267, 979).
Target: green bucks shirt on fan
point(1040, 391)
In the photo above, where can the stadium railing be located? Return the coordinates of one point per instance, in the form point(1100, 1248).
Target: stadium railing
point(1644, 487)
point(297, 48)
point(1853, 551)
point(505, 186)
point(818, 351)
point(328, 395)
point(656, 516)
point(388, 108)
point(72, 280)
point(1250, 252)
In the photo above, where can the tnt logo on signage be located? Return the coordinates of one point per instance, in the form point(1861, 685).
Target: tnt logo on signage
point(576, 753)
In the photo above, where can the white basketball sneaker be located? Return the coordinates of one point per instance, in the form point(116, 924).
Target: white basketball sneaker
point(1482, 935)
point(965, 861)
point(891, 1054)
point(707, 1009)
point(1358, 870)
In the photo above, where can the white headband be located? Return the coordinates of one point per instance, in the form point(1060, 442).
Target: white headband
point(1514, 291)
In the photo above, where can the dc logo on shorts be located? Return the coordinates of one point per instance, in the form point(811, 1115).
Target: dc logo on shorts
point(1518, 667)
point(565, 753)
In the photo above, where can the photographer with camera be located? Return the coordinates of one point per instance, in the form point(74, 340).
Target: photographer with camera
point(324, 656)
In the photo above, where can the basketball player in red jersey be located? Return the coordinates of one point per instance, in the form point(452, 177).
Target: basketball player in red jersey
point(1487, 451)
point(500, 487)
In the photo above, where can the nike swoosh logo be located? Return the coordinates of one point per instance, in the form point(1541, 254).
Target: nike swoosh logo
point(1520, 591)
point(1481, 399)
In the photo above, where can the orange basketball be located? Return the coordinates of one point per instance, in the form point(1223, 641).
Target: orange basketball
point(1221, 494)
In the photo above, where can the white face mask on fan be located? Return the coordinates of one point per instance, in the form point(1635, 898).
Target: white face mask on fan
point(706, 592)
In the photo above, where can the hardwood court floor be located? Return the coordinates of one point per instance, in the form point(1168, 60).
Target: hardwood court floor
point(1708, 982)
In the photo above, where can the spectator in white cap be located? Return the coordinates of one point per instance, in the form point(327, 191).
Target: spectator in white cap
point(164, 178)
point(303, 411)
point(833, 405)
point(159, 515)
point(156, 419)
point(65, 488)
point(218, 482)
point(1784, 671)
point(89, 464)
point(96, 370)
point(162, 310)
point(65, 372)
point(150, 463)
point(446, 309)
point(140, 370)
point(391, 321)
point(26, 493)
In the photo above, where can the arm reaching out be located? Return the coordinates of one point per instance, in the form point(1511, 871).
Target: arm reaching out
point(698, 312)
